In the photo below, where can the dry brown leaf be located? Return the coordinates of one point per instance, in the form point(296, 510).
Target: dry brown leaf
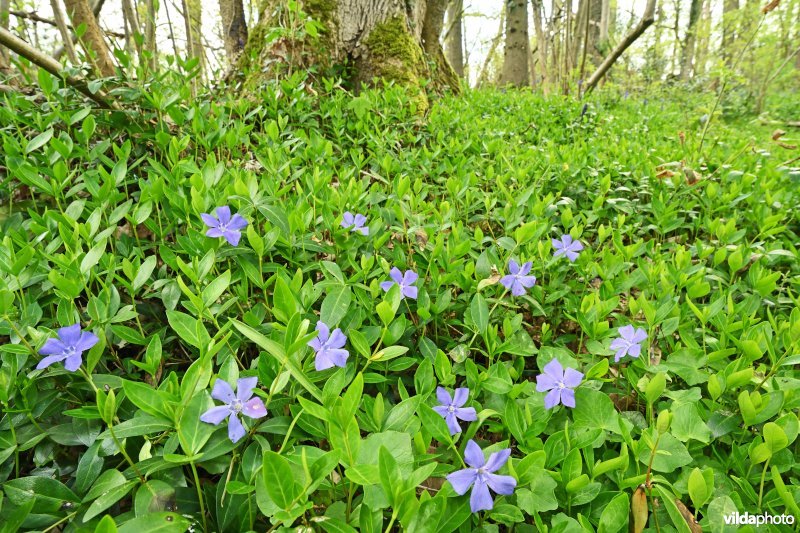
point(777, 134)
point(787, 146)
point(688, 516)
point(665, 174)
point(639, 511)
point(769, 7)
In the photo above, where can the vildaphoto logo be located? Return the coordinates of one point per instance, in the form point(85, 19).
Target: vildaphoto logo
point(741, 519)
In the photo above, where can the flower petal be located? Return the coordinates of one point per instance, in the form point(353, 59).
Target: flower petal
point(507, 281)
point(553, 398)
point(209, 220)
point(254, 408)
point(324, 331)
point(480, 499)
point(572, 256)
point(620, 354)
point(525, 268)
point(238, 222)
point(452, 423)
point(86, 341)
point(49, 360)
point(53, 347)
point(572, 378)
point(513, 267)
point(70, 335)
point(460, 396)
point(635, 350)
point(396, 275)
point(443, 396)
point(235, 429)
point(359, 220)
point(545, 383)
point(497, 460)
point(73, 362)
point(461, 480)
point(323, 360)
point(554, 370)
point(362, 231)
point(557, 244)
point(627, 332)
point(473, 455)
point(467, 414)
point(386, 285)
point(527, 281)
point(215, 415)
point(639, 336)
point(214, 232)
point(504, 485)
point(568, 397)
point(618, 343)
point(233, 237)
point(338, 357)
point(222, 391)
point(337, 339)
point(576, 246)
point(410, 277)
point(517, 289)
point(223, 214)
point(244, 388)
point(441, 410)
point(410, 292)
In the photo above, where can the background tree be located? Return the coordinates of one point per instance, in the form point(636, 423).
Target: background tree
point(454, 38)
point(234, 27)
point(517, 49)
point(687, 55)
point(92, 40)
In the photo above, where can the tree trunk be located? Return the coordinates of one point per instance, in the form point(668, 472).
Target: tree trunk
point(234, 27)
point(541, 42)
point(5, 59)
point(455, 37)
point(646, 21)
point(192, 16)
point(376, 38)
point(729, 9)
point(92, 39)
point(150, 34)
point(431, 32)
point(702, 39)
point(515, 57)
point(691, 38)
point(605, 16)
point(66, 36)
point(132, 18)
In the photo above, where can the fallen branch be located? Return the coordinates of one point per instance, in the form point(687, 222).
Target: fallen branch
point(52, 66)
point(646, 21)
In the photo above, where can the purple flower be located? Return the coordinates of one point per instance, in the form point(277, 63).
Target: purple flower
point(68, 347)
point(567, 246)
point(628, 343)
point(241, 402)
point(518, 280)
point(224, 225)
point(560, 383)
point(329, 347)
point(357, 222)
point(452, 408)
point(481, 477)
point(404, 280)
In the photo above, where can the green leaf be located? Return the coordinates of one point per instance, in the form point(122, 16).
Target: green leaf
point(189, 329)
point(49, 494)
point(479, 311)
point(156, 523)
point(391, 480)
point(283, 301)
point(434, 424)
point(276, 351)
point(192, 432)
point(110, 487)
point(335, 305)
point(106, 525)
point(390, 352)
point(214, 290)
point(614, 517)
point(39, 141)
point(93, 256)
point(149, 400)
point(279, 480)
point(594, 409)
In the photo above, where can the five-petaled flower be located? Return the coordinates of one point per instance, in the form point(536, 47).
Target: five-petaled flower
point(356, 222)
point(628, 342)
point(518, 280)
point(329, 347)
point(560, 383)
point(404, 280)
point(224, 225)
point(68, 347)
point(481, 477)
point(453, 407)
point(567, 246)
point(241, 402)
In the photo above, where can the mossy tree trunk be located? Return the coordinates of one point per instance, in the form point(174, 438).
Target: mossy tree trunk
point(80, 13)
point(391, 40)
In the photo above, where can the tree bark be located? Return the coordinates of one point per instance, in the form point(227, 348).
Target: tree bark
point(61, 50)
point(234, 27)
point(729, 9)
point(483, 75)
point(132, 18)
point(92, 39)
point(150, 44)
point(378, 39)
point(517, 50)
point(605, 16)
point(541, 42)
point(432, 26)
point(687, 56)
point(5, 60)
point(454, 41)
point(66, 36)
point(645, 22)
point(192, 18)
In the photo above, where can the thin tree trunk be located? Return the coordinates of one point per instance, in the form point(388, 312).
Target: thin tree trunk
point(5, 59)
point(132, 18)
point(61, 50)
point(541, 42)
point(605, 16)
point(646, 21)
point(66, 35)
point(703, 36)
point(234, 27)
point(92, 39)
point(454, 41)
point(691, 38)
point(729, 9)
point(483, 74)
point(150, 34)
point(517, 49)
point(432, 27)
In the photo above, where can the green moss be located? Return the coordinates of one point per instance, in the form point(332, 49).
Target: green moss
point(394, 55)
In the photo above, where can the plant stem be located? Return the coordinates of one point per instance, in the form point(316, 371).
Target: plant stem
point(199, 496)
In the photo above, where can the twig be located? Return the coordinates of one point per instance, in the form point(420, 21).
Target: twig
point(52, 66)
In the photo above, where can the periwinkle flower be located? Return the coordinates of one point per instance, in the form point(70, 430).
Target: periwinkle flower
point(628, 342)
point(329, 347)
point(241, 402)
point(225, 225)
point(68, 347)
point(559, 382)
point(356, 222)
point(567, 246)
point(481, 477)
point(404, 280)
point(518, 280)
point(452, 408)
